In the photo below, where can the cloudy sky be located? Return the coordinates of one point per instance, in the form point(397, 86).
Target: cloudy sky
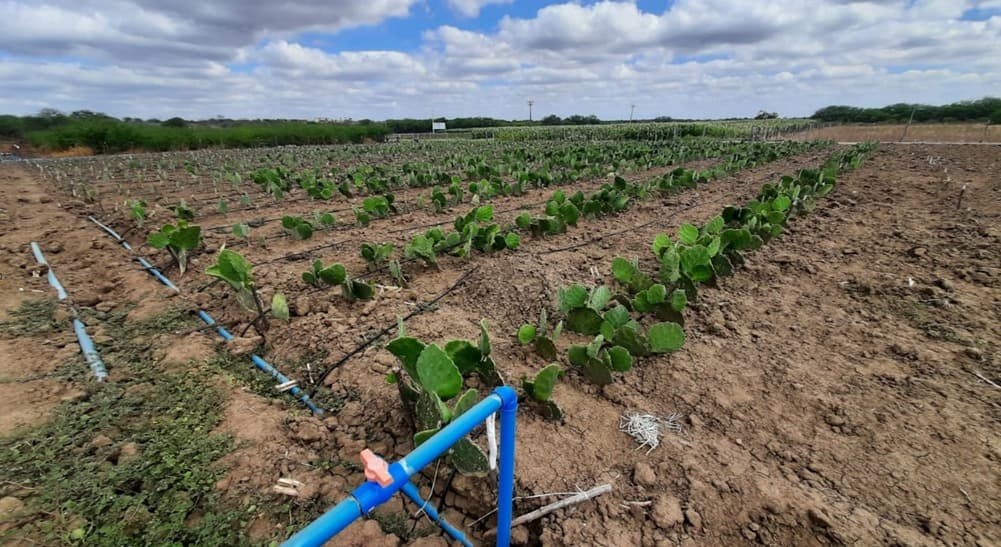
point(416, 58)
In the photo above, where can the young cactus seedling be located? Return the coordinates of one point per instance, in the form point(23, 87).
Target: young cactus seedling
point(178, 240)
point(582, 307)
point(332, 275)
point(183, 212)
point(137, 210)
point(396, 270)
point(235, 271)
point(431, 377)
point(598, 362)
point(376, 255)
point(422, 247)
point(544, 342)
point(297, 226)
point(540, 391)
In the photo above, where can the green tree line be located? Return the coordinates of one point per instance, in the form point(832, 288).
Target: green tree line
point(980, 110)
point(51, 130)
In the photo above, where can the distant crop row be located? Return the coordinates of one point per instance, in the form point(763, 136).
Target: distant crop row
point(646, 131)
point(108, 135)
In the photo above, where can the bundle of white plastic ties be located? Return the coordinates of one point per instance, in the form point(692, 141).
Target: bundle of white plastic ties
point(647, 429)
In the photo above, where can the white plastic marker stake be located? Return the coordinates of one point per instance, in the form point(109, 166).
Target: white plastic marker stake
point(492, 441)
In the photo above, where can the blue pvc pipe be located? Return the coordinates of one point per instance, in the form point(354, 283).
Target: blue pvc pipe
point(505, 473)
point(370, 494)
point(414, 494)
point(53, 280)
point(263, 365)
point(146, 265)
point(86, 343)
point(258, 362)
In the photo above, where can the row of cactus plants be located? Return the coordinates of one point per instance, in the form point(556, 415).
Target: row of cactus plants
point(697, 255)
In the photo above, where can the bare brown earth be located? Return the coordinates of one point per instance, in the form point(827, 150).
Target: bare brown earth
point(829, 390)
point(930, 132)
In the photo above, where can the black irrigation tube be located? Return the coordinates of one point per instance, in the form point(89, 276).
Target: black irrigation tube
point(420, 309)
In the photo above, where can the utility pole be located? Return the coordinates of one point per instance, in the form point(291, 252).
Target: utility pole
point(632, 107)
point(530, 103)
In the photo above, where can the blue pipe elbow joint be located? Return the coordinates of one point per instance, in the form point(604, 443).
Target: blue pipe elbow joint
point(509, 398)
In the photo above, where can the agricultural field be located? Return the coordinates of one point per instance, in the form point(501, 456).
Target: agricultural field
point(924, 132)
point(753, 340)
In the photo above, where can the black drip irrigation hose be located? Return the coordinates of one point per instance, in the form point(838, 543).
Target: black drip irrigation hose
point(361, 347)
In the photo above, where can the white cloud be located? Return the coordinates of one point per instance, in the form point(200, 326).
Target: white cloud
point(471, 8)
point(697, 58)
point(297, 61)
point(173, 30)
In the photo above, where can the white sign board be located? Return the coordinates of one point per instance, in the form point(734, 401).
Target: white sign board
point(437, 126)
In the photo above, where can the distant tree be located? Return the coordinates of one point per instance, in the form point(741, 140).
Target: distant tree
point(50, 113)
point(577, 119)
point(996, 117)
point(552, 119)
point(11, 126)
point(762, 115)
point(978, 110)
point(663, 119)
point(175, 122)
point(89, 115)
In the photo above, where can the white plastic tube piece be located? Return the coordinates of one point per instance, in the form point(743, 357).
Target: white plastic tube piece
point(492, 441)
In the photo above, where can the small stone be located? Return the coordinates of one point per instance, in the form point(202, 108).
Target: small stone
point(695, 422)
point(834, 420)
point(243, 345)
point(101, 441)
point(974, 353)
point(749, 534)
point(87, 299)
point(644, 475)
point(945, 284)
point(667, 512)
point(129, 451)
point(9, 506)
point(818, 518)
point(519, 535)
point(301, 306)
point(694, 518)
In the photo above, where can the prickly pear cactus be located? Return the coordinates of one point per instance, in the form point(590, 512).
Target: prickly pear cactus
point(468, 458)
